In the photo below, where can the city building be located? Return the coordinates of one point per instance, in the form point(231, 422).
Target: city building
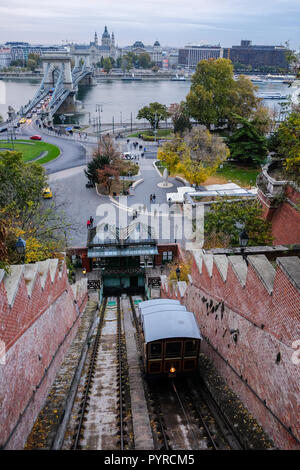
point(257, 55)
point(190, 55)
point(97, 51)
point(5, 57)
point(155, 52)
point(156, 55)
point(21, 50)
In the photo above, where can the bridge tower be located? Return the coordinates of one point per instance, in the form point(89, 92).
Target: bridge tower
point(82, 58)
point(55, 64)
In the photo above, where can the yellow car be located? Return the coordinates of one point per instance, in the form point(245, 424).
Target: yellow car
point(47, 193)
point(22, 121)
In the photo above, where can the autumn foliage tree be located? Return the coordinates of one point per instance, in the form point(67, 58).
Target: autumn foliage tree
point(22, 213)
point(107, 176)
point(196, 155)
point(104, 154)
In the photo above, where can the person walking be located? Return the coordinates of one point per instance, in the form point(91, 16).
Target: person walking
point(88, 224)
point(151, 198)
point(92, 221)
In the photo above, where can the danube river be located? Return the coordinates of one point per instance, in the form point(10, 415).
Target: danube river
point(119, 100)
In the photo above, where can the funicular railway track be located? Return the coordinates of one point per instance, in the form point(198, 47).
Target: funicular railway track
point(185, 414)
point(87, 436)
point(182, 413)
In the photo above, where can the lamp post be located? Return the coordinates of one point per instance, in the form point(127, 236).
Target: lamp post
point(99, 110)
point(244, 238)
point(21, 248)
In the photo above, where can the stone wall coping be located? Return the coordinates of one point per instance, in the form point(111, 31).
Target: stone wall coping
point(264, 270)
point(291, 267)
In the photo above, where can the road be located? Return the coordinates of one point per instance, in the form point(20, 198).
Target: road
point(72, 154)
point(67, 181)
point(79, 202)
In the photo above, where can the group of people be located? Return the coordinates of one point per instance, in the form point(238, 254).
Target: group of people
point(152, 198)
point(89, 223)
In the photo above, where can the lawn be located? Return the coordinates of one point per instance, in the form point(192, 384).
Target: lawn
point(241, 175)
point(32, 149)
point(160, 133)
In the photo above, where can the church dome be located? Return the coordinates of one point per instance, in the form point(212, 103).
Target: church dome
point(139, 44)
point(106, 33)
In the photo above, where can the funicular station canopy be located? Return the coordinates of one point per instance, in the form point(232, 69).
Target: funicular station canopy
point(120, 255)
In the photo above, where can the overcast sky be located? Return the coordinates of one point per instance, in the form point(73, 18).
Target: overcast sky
point(172, 22)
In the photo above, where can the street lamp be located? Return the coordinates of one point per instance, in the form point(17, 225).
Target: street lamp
point(21, 248)
point(244, 238)
point(99, 109)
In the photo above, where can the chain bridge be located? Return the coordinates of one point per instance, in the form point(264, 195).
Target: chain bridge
point(60, 82)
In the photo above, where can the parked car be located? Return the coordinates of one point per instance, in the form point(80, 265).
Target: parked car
point(47, 193)
point(29, 116)
point(36, 137)
point(22, 121)
point(90, 184)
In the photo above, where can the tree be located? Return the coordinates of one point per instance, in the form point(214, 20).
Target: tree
point(180, 117)
point(247, 144)
point(22, 214)
point(107, 175)
point(264, 119)
point(196, 155)
point(222, 217)
point(215, 95)
point(34, 60)
point(97, 163)
point(107, 65)
point(21, 183)
point(129, 61)
point(172, 153)
point(144, 60)
point(153, 113)
point(105, 154)
point(205, 147)
point(286, 144)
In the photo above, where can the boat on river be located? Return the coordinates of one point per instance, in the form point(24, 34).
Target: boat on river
point(273, 96)
point(178, 78)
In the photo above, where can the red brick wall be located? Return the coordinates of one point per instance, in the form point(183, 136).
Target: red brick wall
point(285, 219)
point(267, 324)
point(37, 331)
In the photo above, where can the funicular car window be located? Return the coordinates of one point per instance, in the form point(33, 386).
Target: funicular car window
point(155, 350)
point(173, 349)
point(190, 348)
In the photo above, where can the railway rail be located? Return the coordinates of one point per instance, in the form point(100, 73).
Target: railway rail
point(183, 414)
point(90, 403)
